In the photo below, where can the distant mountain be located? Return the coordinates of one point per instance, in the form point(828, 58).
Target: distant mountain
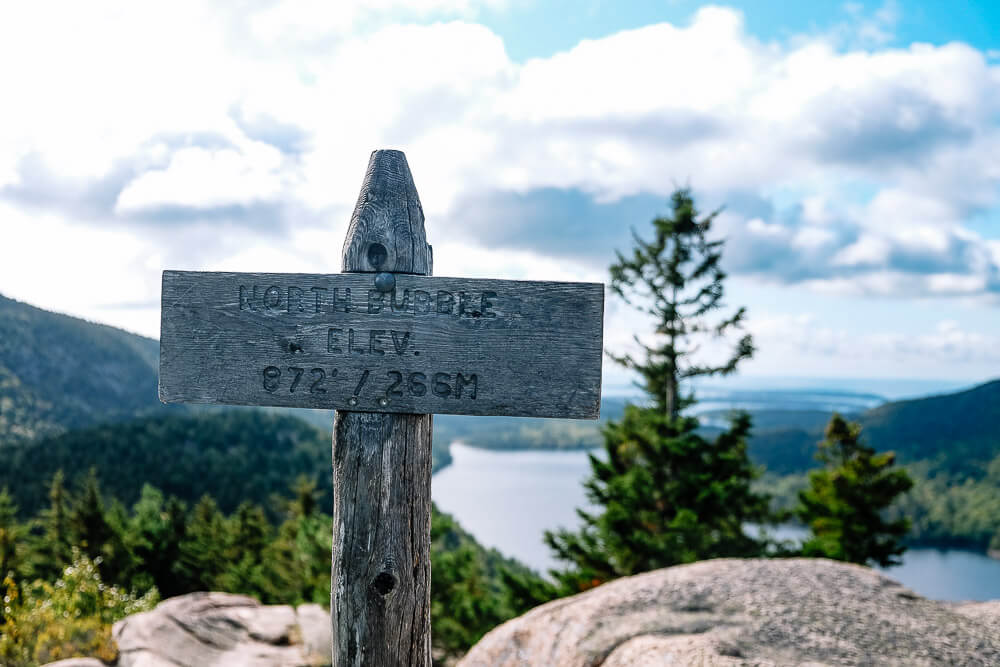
point(72, 390)
point(955, 433)
point(59, 372)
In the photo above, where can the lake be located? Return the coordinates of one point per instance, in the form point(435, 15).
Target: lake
point(508, 499)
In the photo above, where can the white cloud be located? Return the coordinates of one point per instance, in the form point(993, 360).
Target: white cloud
point(761, 228)
point(802, 344)
point(813, 237)
point(866, 250)
point(311, 20)
point(955, 283)
point(118, 111)
point(99, 274)
point(202, 178)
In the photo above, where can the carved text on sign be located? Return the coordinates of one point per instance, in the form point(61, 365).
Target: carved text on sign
point(296, 299)
point(426, 345)
point(396, 384)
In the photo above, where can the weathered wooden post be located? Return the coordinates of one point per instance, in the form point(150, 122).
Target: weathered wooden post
point(386, 345)
point(380, 584)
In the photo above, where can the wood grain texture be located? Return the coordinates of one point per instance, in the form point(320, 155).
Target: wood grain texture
point(381, 573)
point(388, 213)
point(433, 345)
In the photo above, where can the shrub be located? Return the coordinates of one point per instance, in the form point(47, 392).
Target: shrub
point(72, 617)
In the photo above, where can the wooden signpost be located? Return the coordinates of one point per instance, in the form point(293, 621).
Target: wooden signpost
point(386, 345)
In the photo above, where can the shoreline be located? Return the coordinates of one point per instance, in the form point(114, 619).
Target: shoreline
point(938, 544)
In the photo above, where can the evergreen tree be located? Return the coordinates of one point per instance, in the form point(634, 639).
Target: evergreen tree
point(88, 522)
point(202, 552)
point(306, 497)
point(117, 562)
point(845, 503)
point(525, 590)
point(52, 549)
point(464, 602)
point(664, 494)
point(676, 279)
point(154, 535)
point(298, 560)
point(12, 535)
point(249, 533)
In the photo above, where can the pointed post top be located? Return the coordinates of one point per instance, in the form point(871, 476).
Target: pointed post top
point(387, 228)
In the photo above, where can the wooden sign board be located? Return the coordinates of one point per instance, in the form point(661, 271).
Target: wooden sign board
point(423, 345)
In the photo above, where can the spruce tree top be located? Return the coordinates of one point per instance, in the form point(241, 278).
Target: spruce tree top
point(676, 278)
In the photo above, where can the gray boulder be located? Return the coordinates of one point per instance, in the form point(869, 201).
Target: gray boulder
point(224, 630)
point(746, 612)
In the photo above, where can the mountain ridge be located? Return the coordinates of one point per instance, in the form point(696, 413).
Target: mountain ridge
point(955, 433)
point(59, 372)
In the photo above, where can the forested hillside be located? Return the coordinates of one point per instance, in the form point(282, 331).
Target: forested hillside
point(177, 498)
point(59, 372)
point(86, 560)
point(955, 433)
point(233, 455)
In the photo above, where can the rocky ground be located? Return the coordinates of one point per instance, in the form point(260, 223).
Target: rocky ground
point(747, 612)
point(220, 630)
point(713, 613)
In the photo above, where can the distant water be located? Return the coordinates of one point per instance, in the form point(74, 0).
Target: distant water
point(829, 401)
point(891, 389)
point(508, 499)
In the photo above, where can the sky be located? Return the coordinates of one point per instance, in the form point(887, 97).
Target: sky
point(854, 148)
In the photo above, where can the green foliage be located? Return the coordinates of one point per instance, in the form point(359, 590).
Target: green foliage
point(11, 537)
point(52, 547)
point(954, 435)
point(152, 537)
point(952, 509)
point(464, 604)
point(59, 372)
point(472, 589)
point(160, 545)
point(666, 496)
point(234, 455)
point(88, 521)
point(299, 558)
point(70, 617)
point(202, 552)
point(663, 493)
point(845, 501)
point(944, 510)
